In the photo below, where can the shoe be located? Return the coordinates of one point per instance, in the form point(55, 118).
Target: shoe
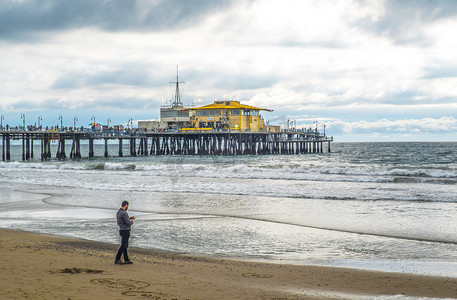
point(118, 262)
point(128, 262)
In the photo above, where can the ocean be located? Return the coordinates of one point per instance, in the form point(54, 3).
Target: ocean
point(381, 206)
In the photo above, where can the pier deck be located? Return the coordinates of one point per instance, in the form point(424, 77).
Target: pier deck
point(168, 143)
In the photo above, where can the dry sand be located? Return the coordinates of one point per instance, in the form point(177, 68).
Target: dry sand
point(42, 267)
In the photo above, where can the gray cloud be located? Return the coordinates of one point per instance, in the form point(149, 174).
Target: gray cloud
point(245, 82)
point(123, 103)
point(18, 18)
point(440, 72)
point(126, 103)
point(231, 81)
point(404, 20)
point(328, 44)
point(402, 97)
point(132, 75)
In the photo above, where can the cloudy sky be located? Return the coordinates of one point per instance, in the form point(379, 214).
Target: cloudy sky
point(368, 70)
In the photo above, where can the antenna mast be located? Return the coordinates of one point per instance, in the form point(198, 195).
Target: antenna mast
point(177, 101)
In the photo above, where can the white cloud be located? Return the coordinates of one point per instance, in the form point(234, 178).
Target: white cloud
point(426, 125)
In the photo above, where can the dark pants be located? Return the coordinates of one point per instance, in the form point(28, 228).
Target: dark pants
point(125, 234)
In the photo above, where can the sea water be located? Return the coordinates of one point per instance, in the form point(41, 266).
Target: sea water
point(383, 206)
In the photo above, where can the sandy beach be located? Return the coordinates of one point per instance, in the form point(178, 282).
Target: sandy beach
point(37, 266)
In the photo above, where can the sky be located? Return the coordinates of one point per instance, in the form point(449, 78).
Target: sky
point(367, 70)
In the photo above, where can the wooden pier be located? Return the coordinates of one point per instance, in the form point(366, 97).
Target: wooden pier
point(168, 143)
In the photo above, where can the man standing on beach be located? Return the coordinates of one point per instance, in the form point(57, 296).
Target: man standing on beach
point(124, 222)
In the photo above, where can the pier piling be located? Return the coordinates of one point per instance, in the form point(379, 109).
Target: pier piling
point(4, 138)
point(106, 147)
point(23, 146)
point(8, 148)
point(91, 147)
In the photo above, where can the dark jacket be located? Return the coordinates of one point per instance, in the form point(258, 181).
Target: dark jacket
point(123, 220)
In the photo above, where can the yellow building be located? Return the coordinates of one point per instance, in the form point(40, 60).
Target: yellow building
point(229, 115)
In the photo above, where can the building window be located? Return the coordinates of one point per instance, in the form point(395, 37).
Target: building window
point(183, 114)
point(206, 113)
point(168, 113)
point(235, 112)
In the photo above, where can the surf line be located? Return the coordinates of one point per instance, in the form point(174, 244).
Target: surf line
point(251, 218)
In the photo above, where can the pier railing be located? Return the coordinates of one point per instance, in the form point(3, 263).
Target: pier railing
point(167, 143)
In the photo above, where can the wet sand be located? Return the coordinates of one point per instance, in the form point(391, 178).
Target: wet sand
point(43, 267)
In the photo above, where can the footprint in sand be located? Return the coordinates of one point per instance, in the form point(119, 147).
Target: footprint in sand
point(255, 275)
point(121, 283)
point(147, 294)
point(80, 270)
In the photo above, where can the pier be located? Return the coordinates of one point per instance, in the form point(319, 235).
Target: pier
point(167, 143)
